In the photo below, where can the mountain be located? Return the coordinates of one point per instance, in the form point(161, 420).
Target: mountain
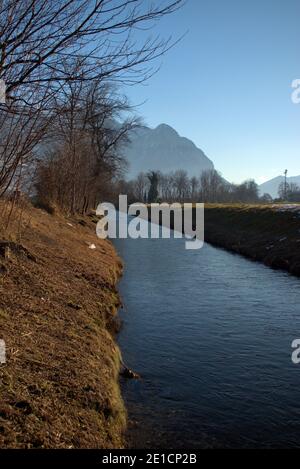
point(271, 187)
point(165, 150)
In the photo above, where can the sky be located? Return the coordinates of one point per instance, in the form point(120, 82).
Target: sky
point(227, 84)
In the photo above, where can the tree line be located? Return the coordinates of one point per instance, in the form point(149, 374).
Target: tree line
point(177, 186)
point(63, 121)
point(288, 192)
point(66, 118)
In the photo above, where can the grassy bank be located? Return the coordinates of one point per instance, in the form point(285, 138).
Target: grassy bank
point(265, 233)
point(59, 386)
point(269, 234)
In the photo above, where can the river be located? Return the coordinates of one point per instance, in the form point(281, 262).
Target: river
point(210, 332)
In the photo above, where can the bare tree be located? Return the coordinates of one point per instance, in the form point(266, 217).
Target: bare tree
point(36, 35)
point(85, 141)
point(166, 187)
point(289, 191)
point(141, 187)
point(209, 188)
point(181, 184)
point(40, 40)
point(153, 177)
point(194, 183)
point(247, 192)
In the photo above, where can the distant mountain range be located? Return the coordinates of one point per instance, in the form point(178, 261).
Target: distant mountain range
point(165, 150)
point(271, 187)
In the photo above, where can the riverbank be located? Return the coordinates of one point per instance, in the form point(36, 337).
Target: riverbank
point(264, 233)
point(269, 234)
point(58, 306)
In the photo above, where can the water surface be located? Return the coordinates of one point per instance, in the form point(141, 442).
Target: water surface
point(210, 332)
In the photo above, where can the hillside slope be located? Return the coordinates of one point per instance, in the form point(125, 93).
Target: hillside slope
point(269, 234)
point(163, 149)
point(271, 187)
point(59, 386)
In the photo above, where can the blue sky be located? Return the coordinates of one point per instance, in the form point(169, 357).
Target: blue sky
point(227, 84)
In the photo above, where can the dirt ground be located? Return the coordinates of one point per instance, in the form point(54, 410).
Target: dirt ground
point(58, 304)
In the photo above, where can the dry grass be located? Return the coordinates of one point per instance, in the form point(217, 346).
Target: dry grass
point(265, 233)
point(59, 387)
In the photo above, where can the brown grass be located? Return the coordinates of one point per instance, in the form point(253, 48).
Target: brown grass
point(264, 233)
point(59, 387)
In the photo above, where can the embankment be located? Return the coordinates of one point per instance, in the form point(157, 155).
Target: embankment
point(58, 305)
point(269, 234)
point(264, 233)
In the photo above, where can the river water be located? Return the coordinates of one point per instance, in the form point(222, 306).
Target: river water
point(210, 333)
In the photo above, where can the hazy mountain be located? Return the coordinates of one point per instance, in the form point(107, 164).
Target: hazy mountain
point(164, 149)
point(271, 187)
